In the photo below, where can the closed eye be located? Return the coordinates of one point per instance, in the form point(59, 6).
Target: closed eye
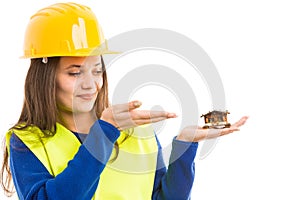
point(98, 71)
point(74, 73)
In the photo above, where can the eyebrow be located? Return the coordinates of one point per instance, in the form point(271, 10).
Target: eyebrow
point(78, 66)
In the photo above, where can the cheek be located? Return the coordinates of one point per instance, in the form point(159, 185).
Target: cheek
point(64, 89)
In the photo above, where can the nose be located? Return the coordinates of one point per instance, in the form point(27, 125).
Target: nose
point(88, 82)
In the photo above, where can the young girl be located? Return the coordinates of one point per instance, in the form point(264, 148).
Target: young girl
point(69, 143)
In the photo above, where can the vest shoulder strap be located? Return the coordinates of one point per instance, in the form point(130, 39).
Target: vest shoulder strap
point(46, 149)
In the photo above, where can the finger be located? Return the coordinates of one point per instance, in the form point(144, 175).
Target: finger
point(149, 121)
point(133, 123)
point(157, 114)
point(196, 133)
point(172, 115)
point(123, 120)
point(213, 133)
point(241, 122)
point(147, 114)
point(119, 108)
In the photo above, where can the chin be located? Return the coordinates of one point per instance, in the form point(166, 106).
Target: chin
point(83, 107)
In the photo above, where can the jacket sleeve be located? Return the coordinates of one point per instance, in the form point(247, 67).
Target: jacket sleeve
point(175, 182)
point(80, 178)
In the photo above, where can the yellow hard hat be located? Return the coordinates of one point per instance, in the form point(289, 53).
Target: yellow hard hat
point(64, 29)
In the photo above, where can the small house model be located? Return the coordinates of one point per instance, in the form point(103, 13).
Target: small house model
point(216, 119)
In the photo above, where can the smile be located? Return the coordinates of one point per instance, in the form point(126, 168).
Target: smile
point(86, 96)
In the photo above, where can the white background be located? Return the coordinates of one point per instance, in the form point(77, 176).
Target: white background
point(255, 46)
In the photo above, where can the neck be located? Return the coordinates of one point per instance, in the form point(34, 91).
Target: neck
point(78, 122)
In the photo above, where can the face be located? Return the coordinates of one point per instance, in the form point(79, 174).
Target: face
point(78, 80)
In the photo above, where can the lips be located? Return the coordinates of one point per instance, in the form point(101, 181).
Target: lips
point(88, 96)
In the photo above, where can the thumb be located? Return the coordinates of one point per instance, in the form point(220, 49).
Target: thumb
point(134, 104)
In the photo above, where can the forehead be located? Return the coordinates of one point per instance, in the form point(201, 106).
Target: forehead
point(82, 61)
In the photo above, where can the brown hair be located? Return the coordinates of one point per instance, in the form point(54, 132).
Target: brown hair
point(40, 106)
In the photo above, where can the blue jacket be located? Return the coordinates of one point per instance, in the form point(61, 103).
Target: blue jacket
point(33, 181)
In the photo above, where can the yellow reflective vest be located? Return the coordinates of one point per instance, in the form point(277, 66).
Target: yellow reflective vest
point(130, 176)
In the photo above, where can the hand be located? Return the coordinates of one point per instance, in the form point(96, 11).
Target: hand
point(124, 116)
point(197, 133)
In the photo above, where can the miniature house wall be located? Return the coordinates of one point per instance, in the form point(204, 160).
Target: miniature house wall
point(216, 118)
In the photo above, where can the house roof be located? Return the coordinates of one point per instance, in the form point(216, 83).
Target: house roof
point(215, 112)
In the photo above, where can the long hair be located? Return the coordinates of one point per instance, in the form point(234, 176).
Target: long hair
point(40, 106)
